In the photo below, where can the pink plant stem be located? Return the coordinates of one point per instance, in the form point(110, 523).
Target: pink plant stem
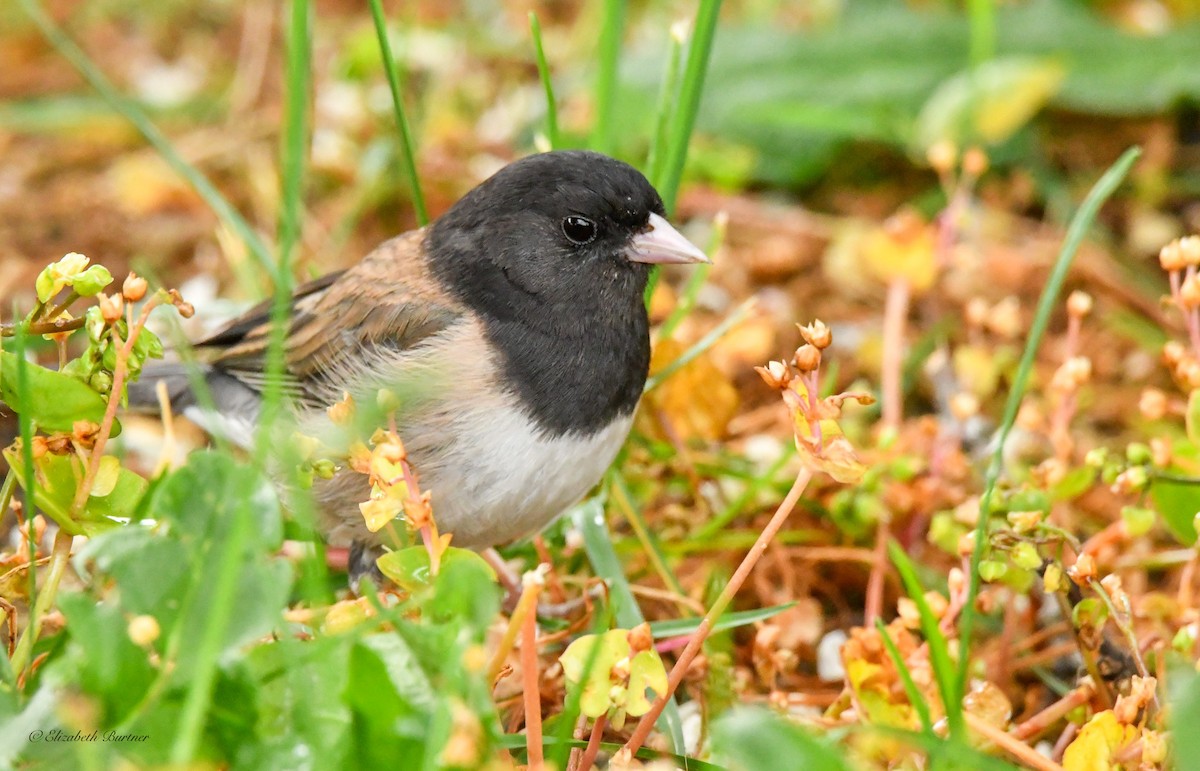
point(532, 693)
point(646, 724)
point(1190, 317)
point(895, 311)
point(593, 745)
point(120, 371)
point(874, 601)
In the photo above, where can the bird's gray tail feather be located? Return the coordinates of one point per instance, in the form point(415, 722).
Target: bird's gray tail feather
point(228, 395)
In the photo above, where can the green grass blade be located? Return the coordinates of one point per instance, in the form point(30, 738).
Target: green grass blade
point(701, 345)
point(667, 97)
point(199, 693)
point(678, 627)
point(606, 76)
point(939, 649)
point(25, 430)
point(407, 153)
point(684, 119)
point(589, 518)
point(129, 110)
point(650, 543)
point(293, 152)
point(1078, 228)
point(910, 687)
point(982, 16)
point(535, 30)
point(731, 512)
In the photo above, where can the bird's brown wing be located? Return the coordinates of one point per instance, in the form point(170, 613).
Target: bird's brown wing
point(389, 301)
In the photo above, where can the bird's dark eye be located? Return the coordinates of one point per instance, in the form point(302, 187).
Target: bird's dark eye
point(580, 230)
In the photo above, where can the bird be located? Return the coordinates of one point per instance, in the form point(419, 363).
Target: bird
point(511, 333)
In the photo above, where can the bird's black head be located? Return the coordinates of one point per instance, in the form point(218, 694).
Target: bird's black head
point(554, 227)
point(553, 253)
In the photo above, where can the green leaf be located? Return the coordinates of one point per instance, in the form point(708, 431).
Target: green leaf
point(684, 626)
point(988, 104)
point(57, 483)
point(91, 281)
point(1178, 502)
point(54, 401)
point(595, 696)
point(1185, 716)
point(755, 739)
point(410, 567)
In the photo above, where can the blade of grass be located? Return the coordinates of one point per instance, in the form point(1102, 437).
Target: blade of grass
point(667, 97)
point(676, 760)
point(684, 119)
point(1078, 228)
point(535, 30)
point(589, 518)
point(624, 500)
point(293, 162)
point(407, 153)
point(738, 505)
point(678, 627)
point(606, 74)
point(224, 596)
point(982, 19)
point(939, 649)
point(21, 655)
point(200, 687)
point(684, 116)
point(295, 134)
point(910, 687)
point(128, 109)
point(701, 345)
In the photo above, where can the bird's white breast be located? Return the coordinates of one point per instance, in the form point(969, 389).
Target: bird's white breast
point(503, 479)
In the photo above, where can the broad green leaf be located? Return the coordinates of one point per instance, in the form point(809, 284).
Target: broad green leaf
point(596, 692)
point(55, 401)
point(1178, 502)
point(57, 483)
point(989, 104)
point(1185, 716)
point(755, 739)
point(410, 567)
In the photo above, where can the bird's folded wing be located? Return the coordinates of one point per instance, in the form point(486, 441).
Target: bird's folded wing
point(386, 304)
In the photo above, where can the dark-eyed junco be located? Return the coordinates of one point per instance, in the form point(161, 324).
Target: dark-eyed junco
point(512, 331)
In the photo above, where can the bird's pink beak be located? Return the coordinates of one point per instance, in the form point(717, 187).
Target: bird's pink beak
point(660, 244)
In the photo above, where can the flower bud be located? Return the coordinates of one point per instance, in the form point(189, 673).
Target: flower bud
point(1189, 293)
point(1170, 257)
point(1079, 304)
point(1189, 249)
point(143, 630)
point(111, 307)
point(134, 287)
point(776, 374)
point(807, 358)
point(1084, 569)
point(975, 162)
point(1152, 404)
point(817, 334)
point(941, 156)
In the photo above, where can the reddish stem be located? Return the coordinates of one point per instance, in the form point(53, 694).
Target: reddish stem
point(646, 724)
point(593, 745)
point(120, 371)
point(532, 694)
point(874, 602)
point(895, 313)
